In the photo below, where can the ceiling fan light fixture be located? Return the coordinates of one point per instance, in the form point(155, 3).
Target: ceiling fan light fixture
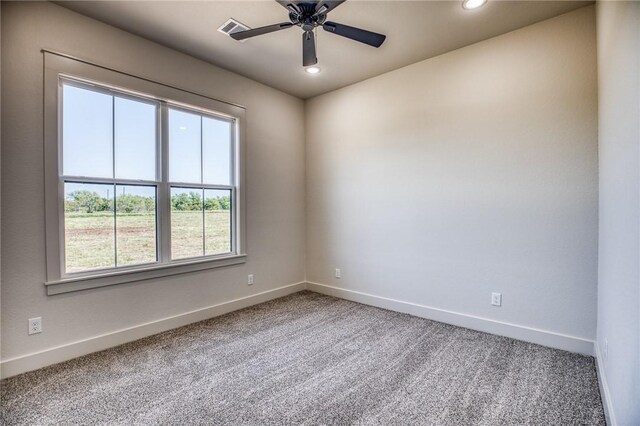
point(473, 4)
point(312, 70)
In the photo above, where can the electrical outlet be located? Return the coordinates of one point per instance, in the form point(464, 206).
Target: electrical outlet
point(606, 349)
point(338, 274)
point(496, 299)
point(250, 279)
point(35, 325)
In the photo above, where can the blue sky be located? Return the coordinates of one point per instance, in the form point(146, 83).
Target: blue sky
point(93, 121)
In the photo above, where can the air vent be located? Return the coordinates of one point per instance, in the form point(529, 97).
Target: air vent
point(232, 26)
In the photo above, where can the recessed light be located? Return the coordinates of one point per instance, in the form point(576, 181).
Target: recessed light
point(472, 4)
point(312, 70)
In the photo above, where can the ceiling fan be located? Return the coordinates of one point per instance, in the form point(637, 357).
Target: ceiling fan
point(308, 15)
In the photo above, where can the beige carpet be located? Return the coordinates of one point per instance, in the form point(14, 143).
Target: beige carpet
point(312, 359)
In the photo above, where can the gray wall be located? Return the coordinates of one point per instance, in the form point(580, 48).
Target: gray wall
point(275, 183)
point(467, 173)
point(618, 26)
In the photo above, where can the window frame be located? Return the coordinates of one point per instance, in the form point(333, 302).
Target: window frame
point(203, 186)
point(63, 178)
point(59, 70)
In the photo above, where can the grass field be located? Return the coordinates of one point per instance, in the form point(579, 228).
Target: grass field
point(90, 242)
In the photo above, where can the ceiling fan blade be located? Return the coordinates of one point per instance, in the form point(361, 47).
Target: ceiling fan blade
point(308, 49)
point(284, 3)
point(291, 6)
point(357, 34)
point(325, 6)
point(242, 35)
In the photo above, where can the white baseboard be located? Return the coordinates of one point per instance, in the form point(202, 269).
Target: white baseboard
point(604, 388)
point(519, 332)
point(33, 361)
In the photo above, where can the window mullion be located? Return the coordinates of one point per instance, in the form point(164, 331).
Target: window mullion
point(164, 189)
point(132, 182)
point(113, 175)
point(204, 237)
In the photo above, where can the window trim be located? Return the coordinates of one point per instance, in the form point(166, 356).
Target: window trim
point(64, 79)
point(59, 68)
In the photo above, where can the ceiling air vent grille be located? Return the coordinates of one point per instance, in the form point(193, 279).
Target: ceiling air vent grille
point(232, 26)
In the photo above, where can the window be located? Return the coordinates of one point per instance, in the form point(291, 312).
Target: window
point(200, 178)
point(110, 178)
point(147, 184)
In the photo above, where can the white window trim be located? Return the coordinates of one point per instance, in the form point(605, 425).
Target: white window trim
point(57, 66)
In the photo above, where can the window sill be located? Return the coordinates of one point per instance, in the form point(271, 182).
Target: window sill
point(67, 285)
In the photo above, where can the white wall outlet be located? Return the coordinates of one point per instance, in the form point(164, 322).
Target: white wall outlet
point(338, 274)
point(35, 325)
point(606, 349)
point(250, 279)
point(496, 299)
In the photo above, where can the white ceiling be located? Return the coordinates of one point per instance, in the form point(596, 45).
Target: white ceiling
point(415, 30)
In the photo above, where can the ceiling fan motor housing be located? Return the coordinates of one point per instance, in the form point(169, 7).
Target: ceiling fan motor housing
point(306, 16)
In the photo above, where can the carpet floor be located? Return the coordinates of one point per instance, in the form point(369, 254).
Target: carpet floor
point(312, 359)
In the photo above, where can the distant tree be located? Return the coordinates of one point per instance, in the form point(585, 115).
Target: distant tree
point(225, 202)
point(218, 203)
point(195, 201)
point(128, 203)
point(187, 201)
point(70, 205)
point(86, 202)
point(212, 204)
point(180, 201)
point(150, 204)
point(105, 205)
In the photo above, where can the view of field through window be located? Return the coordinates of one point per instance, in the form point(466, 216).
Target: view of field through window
point(95, 235)
point(197, 228)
